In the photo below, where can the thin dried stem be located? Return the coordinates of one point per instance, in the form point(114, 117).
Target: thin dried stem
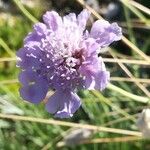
point(102, 140)
point(112, 140)
point(125, 69)
point(110, 123)
point(70, 124)
point(83, 3)
point(126, 61)
point(140, 7)
point(6, 48)
point(136, 49)
point(134, 10)
point(130, 79)
point(135, 24)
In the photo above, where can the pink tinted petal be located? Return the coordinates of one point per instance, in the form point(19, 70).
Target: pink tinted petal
point(40, 28)
point(99, 64)
point(105, 33)
point(33, 93)
point(70, 17)
point(95, 74)
point(88, 72)
point(63, 103)
point(98, 27)
point(90, 47)
point(36, 36)
point(116, 30)
point(89, 82)
point(70, 24)
point(101, 80)
point(92, 65)
point(83, 17)
point(97, 81)
point(52, 19)
point(74, 102)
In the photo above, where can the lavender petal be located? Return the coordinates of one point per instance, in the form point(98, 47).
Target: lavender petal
point(63, 104)
point(52, 20)
point(33, 93)
point(82, 18)
point(105, 33)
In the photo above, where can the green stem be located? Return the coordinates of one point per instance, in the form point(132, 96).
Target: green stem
point(25, 12)
point(129, 95)
point(6, 48)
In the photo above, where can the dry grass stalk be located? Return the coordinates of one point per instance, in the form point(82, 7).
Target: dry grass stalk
point(70, 124)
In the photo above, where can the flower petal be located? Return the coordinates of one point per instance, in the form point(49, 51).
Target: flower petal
point(32, 39)
point(52, 19)
point(105, 33)
point(29, 57)
point(90, 47)
point(36, 36)
point(33, 93)
point(89, 82)
point(40, 28)
point(101, 80)
point(25, 77)
point(82, 18)
point(63, 103)
point(70, 18)
point(97, 81)
point(95, 74)
point(28, 77)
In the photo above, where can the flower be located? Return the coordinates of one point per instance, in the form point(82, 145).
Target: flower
point(60, 54)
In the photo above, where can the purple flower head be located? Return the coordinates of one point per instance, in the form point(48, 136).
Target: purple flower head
point(60, 54)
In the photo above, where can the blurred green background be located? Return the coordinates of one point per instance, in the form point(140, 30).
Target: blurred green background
point(116, 107)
